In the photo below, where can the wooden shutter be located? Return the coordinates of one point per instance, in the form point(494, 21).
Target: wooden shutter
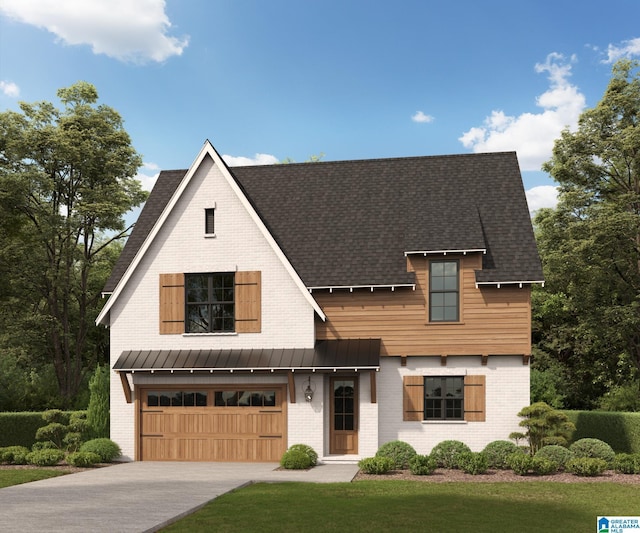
point(248, 302)
point(474, 398)
point(413, 398)
point(171, 304)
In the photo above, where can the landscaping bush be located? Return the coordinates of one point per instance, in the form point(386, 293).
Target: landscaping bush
point(544, 425)
point(53, 433)
point(399, 452)
point(313, 456)
point(446, 453)
point(543, 466)
point(82, 459)
point(14, 455)
point(98, 409)
point(376, 465)
point(45, 457)
point(497, 453)
point(473, 463)
point(594, 448)
point(105, 448)
point(43, 445)
point(627, 463)
point(557, 454)
point(295, 460)
point(520, 463)
point(422, 465)
point(587, 466)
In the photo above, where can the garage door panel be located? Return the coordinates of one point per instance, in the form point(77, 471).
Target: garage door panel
point(213, 433)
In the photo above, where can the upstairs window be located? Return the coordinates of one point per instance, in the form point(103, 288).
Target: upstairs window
point(444, 291)
point(209, 221)
point(210, 304)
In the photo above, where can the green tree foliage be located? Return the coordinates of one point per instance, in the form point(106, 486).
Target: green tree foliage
point(98, 410)
point(66, 180)
point(587, 318)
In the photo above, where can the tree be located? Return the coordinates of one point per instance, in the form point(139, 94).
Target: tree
point(98, 410)
point(544, 425)
point(588, 315)
point(66, 180)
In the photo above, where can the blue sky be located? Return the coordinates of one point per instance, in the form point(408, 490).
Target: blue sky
point(264, 80)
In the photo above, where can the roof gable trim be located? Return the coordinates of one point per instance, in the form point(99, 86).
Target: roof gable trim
point(207, 150)
point(445, 252)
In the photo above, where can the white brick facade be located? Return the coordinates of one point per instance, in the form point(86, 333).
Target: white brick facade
point(507, 392)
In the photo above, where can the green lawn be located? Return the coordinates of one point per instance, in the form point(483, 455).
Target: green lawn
point(16, 476)
point(414, 506)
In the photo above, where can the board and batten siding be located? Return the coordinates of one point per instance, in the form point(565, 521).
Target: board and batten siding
point(493, 321)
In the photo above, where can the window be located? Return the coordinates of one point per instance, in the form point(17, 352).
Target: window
point(443, 291)
point(177, 398)
point(444, 398)
point(249, 398)
point(209, 221)
point(210, 305)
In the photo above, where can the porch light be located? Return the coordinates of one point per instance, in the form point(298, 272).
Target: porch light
point(308, 391)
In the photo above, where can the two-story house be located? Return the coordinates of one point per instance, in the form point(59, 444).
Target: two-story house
point(338, 304)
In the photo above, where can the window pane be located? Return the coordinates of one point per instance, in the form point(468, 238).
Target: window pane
point(450, 268)
point(209, 220)
point(437, 283)
point(197, 318)
point(189, 399)
point(152, 399)
point(437, 299)
point(176, 399)
point(165, 399)
point(348, 422)
point(244, 399)
point(437, 268)
point(270, 399)
point(201, 399)
point(450, 314)
point(197, 288)
point(450, 284)
point(450, 299)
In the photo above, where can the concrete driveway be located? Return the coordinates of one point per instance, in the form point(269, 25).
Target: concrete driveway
point(138, 497)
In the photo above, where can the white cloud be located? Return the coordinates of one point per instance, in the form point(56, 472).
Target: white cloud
point(542, 196)
point(148, 175)
point(128, 30)
point(422, 118)
point(258, 159)
point(627, 49)
point(9, 88)
point(532, 135)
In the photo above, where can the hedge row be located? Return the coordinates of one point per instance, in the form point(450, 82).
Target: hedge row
point(19, 429)
point(620, 430)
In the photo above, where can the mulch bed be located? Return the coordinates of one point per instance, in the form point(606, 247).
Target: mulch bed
point(501, 476)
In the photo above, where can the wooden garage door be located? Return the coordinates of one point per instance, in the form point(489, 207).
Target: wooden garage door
point(238, 423)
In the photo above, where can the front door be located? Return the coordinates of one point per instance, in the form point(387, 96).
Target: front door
point(344, 415)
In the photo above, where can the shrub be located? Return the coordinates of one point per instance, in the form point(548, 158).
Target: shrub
point(593, 448)
point(14, 455)
point(98, 410)
point(473, 463)
point(446, 453)
point(43, 445)
point(497, 453)
point(398, 451)
point(19, 428)
point(53, 432)
point(557, 454)
point(620, 430)
point(545, 425)
point(82, 459)
point(587, 466)
point(313, 456)
point(520, 463)
point(376, 465)
point(295, 460)
point(105, 448)
point(45, 457)
point(543, 466)
point(422, 465)
point(627, 463)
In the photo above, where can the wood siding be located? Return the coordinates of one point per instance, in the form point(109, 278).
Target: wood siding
point(493, 321)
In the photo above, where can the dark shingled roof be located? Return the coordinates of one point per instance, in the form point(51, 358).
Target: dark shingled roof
point(329, 355)
point(349, 223)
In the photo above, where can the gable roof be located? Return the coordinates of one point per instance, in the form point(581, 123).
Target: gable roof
point(350, 223)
